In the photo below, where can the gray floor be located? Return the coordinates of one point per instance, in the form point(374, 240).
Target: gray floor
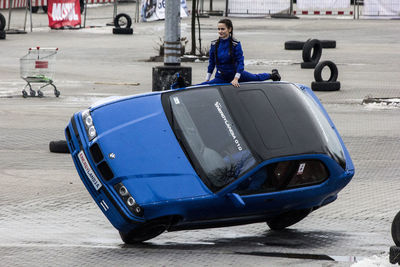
point(48, 218)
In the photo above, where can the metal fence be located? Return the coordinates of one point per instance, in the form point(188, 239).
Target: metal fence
point(354, 8)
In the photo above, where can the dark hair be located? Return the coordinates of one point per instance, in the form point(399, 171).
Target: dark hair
point(229, 25)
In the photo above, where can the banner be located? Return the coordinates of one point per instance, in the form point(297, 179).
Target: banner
point(63, 13)
point(323, 4)
point(381, 8)
point(155, 10)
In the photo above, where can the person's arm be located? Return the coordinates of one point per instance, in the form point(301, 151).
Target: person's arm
point(211, 62)
point(239, 61)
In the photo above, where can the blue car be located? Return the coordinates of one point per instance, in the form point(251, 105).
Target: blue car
point(209, 156)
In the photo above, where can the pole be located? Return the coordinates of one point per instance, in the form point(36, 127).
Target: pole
point(291, 7)
point(193, 52)
point(211, 5)
point(226, 7)
point(172, 39)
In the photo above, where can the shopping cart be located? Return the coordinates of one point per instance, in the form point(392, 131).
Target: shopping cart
point(38, 66)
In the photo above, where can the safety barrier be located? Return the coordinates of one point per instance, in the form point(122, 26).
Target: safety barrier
point(381, 8)
point(5, 4)
point(353, 8)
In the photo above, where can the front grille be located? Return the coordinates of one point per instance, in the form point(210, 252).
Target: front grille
point(96, 153)
point(105, 171)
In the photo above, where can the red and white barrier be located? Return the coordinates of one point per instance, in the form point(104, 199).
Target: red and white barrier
point(5, 4)
point(325, 12)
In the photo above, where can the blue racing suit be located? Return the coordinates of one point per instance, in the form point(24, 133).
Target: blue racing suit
point(227, 56)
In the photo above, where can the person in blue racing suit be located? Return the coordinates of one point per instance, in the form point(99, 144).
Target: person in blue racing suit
point(227, 55)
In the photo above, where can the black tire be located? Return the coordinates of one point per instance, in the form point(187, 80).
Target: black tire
point(287, 219)
point(44, 9)
point(122, 31)
point(394, 255)
point(2, 35)
point(396, 229)
point(294, 45)
point(315, 46)
point(59, 146)
point(35, 9)
point(328, 43)
point(119, 19)
point(308, 65)
point(2, 22)
point(144, 232)
point(82, 5)
point(325, 86)
point(332, 67)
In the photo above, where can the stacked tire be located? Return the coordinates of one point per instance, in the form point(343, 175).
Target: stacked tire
point(2, 27)
point(312, 51)
point(122, 24)
point(325, 85)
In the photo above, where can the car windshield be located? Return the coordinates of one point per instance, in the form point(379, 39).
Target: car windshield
point(210, 137)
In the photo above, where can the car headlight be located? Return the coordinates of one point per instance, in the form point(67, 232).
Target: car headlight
point(89, 127)
point(129, 201)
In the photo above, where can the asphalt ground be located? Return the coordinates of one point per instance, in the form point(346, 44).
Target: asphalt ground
point(47, 217)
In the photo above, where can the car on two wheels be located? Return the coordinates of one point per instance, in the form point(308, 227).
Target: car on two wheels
point(209, 156)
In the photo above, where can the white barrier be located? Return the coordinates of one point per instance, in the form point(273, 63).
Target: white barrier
point(257, 7)
point(381, 8)
point(323, 7)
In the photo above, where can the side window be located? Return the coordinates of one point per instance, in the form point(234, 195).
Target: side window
point(284, 175)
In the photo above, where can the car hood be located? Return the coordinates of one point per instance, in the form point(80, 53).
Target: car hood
point(142, 151)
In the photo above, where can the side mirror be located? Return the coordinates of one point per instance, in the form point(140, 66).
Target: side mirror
point(237, 200)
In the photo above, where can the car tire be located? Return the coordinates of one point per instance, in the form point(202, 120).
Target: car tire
point(2, 22)
point(59, 146)
point(332, 67)
point(396, 229)
point(44, 9)
point(394, 255)
point(294, 45)
point(2, 35)
point(145, 232)
point(117, 21)
point(314, 46)
point(122, 31)
point(287, 219)
point(308, 65)
point(325, 86)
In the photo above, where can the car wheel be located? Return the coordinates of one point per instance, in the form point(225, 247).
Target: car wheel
point(2, 22)
point(44, 9)
point(287, 219)
point(396, 229)
point(332, 67)
point(315, 47)
point(294, 45)
point(144, 232)
point(59, 146)
point(122, 20)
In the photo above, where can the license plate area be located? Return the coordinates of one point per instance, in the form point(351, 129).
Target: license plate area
point(89, 171)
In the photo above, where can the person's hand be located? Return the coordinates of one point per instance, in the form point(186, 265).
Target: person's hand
point(235, 82)
point(275, 76)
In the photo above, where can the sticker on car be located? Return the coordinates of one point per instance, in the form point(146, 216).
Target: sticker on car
point(88, 170)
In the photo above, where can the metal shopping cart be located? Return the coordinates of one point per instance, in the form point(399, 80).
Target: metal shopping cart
point(38, 66)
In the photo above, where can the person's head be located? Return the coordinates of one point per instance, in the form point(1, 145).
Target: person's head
point(225, 28)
